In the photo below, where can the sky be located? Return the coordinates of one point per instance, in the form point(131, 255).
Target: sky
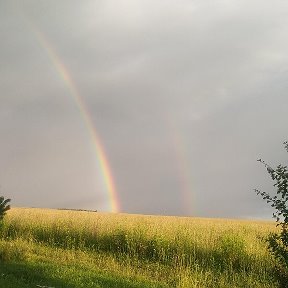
point(179, 98)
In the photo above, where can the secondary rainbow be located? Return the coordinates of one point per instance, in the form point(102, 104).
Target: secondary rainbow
point(182, 166)
point(99, 149)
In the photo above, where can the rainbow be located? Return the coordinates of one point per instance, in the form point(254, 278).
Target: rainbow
point(182, 166)
point(101, 157)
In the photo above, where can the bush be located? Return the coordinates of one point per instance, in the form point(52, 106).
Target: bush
point(4, 207)
point(278, 242)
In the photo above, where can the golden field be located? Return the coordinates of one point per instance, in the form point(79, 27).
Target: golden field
point(92, 249)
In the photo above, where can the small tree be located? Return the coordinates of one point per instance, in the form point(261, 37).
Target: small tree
point(278, 242)
point(4, 207)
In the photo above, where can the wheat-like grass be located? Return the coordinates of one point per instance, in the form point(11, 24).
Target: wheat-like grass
point(178, 251)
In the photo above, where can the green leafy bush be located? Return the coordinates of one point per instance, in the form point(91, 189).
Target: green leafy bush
point(278, 242)
point(4, 207)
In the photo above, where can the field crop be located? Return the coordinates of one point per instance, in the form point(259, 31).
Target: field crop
point(58, 248)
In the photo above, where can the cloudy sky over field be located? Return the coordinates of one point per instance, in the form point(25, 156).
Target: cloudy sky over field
point(184, 96)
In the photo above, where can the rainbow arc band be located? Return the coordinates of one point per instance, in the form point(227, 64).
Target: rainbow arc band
point(64, 75)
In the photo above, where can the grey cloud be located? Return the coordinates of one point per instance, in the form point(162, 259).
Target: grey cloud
point(209, 73)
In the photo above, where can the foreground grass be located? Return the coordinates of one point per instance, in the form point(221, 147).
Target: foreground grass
point(81, 249)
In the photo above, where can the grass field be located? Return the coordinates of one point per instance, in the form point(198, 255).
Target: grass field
point(86, 249)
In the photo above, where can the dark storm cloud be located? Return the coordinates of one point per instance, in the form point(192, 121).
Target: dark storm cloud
point(210, 74)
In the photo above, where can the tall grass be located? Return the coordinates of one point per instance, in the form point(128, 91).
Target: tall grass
point(176, 251)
